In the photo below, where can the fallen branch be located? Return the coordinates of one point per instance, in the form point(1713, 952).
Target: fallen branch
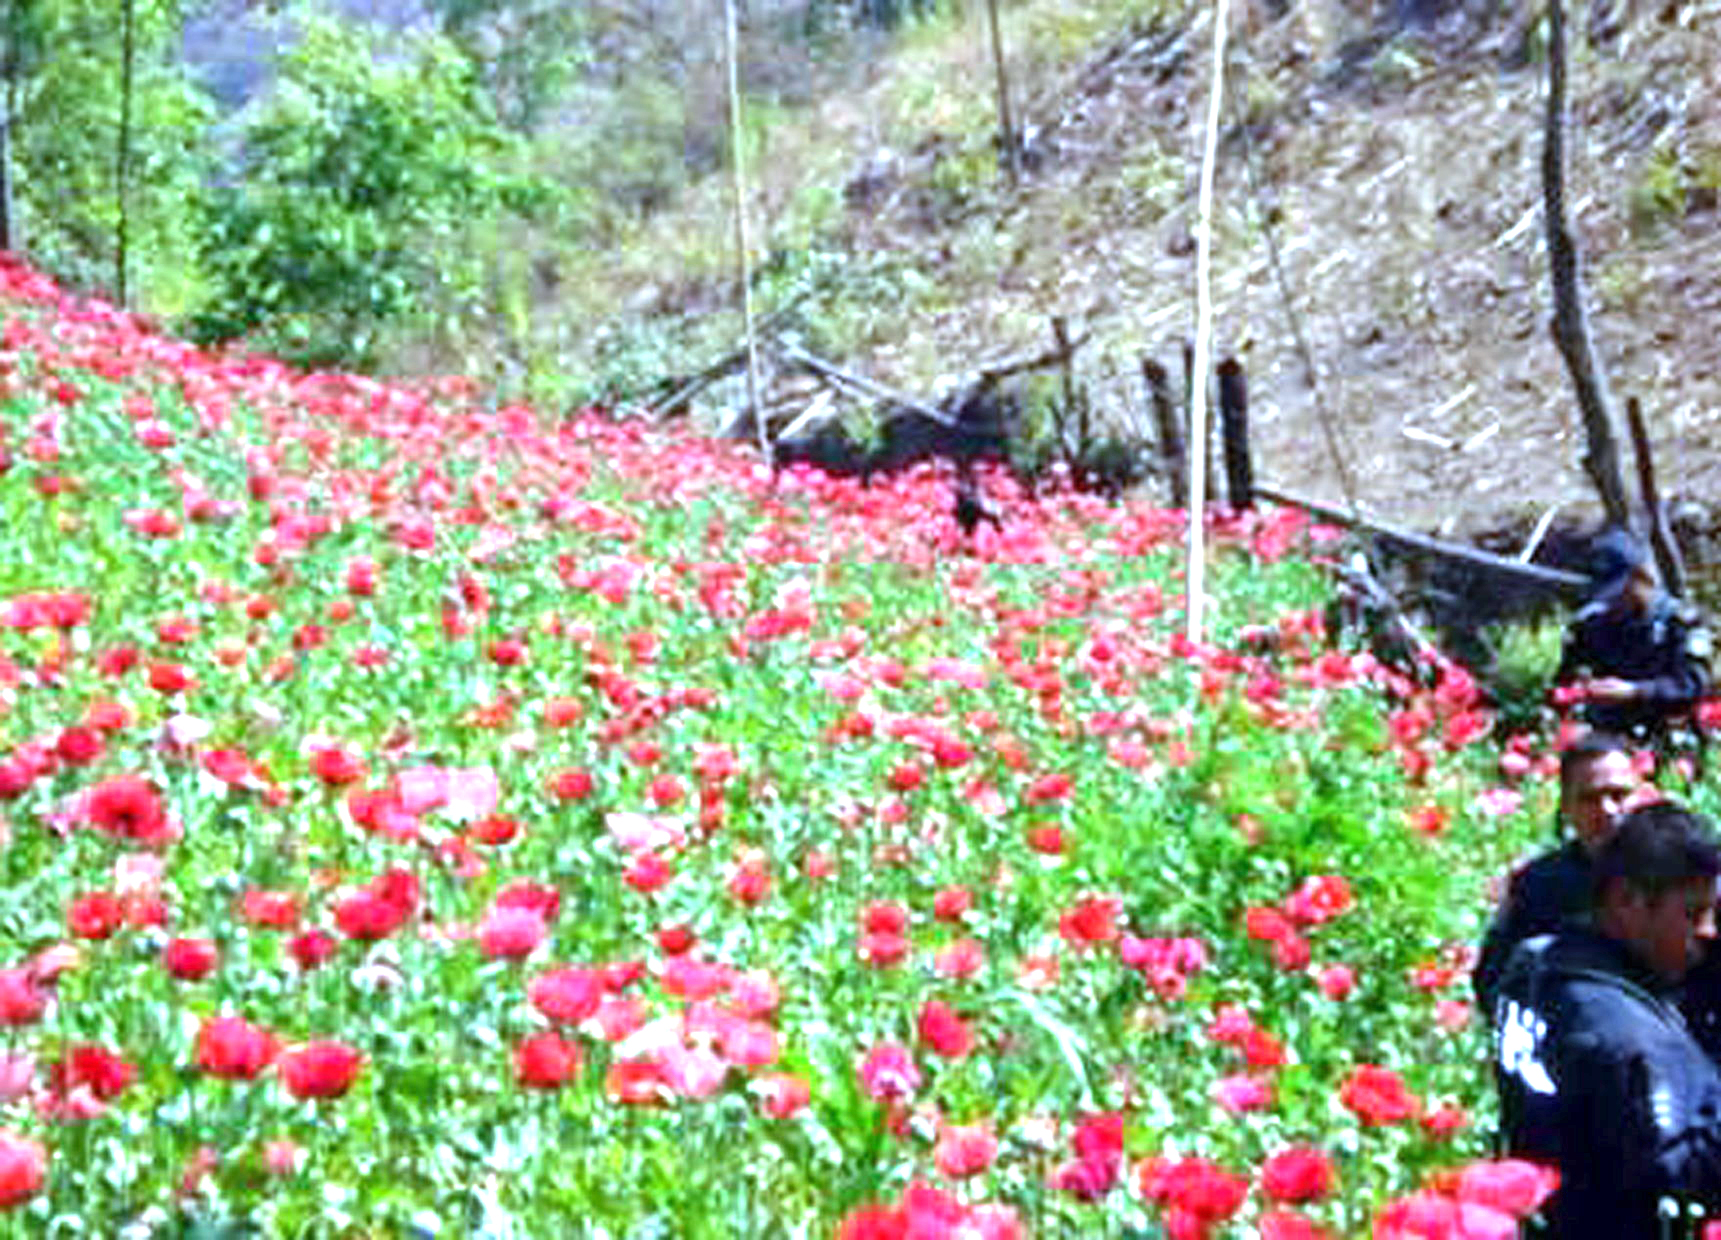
point(866, 386)
point(1570, 586)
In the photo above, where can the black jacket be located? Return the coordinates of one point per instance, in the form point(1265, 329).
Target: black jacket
point(1541, 897)
point(1599, 1076)
point(1665, 650)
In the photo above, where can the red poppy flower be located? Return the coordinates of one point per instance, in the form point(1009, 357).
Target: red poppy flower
point(964, 1150)
point(496, 830)
point(337, 767)
point(1048, 788)
point(782, 1096)
point(648, 872)
point(190, 960)
point(1509, 1185)
point(368, 917)
point(952, 903)
point(571, 785)
point(170, 678)
point(1337, 981)
point(1265, 925)
point(274, 910)
point(1298, 1174)
point(78, 746)
point(1292, 953)
point(510, 933)
point(1445, 1121)
point(677, 939)
point(666, 790)
point(127, 807)
point(567, 995)
point(1092, 920)
point(686, 978)
point(311, 949)
point(751, 883)
point(1378, 1096)
point(561, 712)
point(1288, 1225)
point(539, 898)
point(1420, 1216)
point(883, 951)
point(637, 1082)
point(321, 1069)
point(888, 1071)
point(906, 777)
point(22, 1001)
point(944, 1031)
point(23, 1168)
point(96, 915)
point(103, 1073)
point(1201, 1191)
point(960, 959)
point(883, 917)
point(546, 1061)
point(230, 766)
point(1047, 839)
point(1319, 900)
point(234, 1049)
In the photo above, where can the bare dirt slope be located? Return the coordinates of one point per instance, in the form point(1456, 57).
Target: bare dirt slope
point(1400, 176)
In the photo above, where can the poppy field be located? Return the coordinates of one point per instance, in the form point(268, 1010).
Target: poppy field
point(426, 817)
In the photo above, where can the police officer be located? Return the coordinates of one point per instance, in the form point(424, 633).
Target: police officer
point(1635, 657)
point(1597, 779)
point(1597, 1073)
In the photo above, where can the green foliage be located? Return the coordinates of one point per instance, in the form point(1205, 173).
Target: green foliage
point(65, 138)
point(360, 176)
point(1526, 657)
point(1675, 178)
point(526, 52)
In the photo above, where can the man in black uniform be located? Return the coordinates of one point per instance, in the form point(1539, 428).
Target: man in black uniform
point(1597, 778)
point(1635, 656)
point(1596, 1071)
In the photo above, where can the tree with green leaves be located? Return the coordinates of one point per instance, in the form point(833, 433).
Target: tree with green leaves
point(88, 143)
point(358, 180)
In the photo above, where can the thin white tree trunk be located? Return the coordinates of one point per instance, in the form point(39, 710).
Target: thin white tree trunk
point(743, 246)
point(1195, 574)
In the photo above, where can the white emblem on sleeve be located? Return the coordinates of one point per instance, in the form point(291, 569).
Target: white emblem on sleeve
point(1521, 1035)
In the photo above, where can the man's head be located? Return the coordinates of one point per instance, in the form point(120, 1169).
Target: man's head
point(1596, 779)
point(1621, 574)
point(1655, 886)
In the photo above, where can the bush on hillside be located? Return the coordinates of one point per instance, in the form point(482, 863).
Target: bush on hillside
point(359, 178)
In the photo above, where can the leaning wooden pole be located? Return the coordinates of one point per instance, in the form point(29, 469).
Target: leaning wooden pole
point(1661, 538)
point(743, 245)
point(1571, 320)
point(1195, 575)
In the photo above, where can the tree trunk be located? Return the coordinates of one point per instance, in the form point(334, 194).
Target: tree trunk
point(1008, 146)
point(10, 66)
point(122, 160)
point(6, 227)
point(1571, 321)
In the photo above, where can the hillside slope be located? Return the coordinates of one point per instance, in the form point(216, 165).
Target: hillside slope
point(1401, 174)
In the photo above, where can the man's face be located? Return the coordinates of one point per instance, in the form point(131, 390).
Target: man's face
point(1668, 932)
point(1636, 594)
point(1595, 795)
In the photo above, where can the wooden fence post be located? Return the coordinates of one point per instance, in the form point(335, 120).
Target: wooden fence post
point(1169, 427)
point(1234, 428)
